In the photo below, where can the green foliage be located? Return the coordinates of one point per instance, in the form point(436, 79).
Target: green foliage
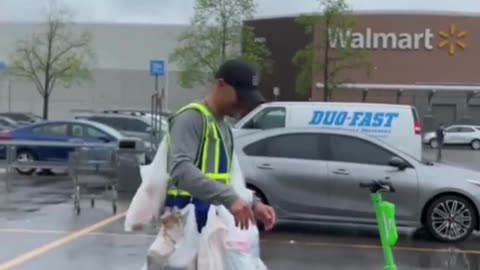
point(54, 56)
point(333, 25)
point(304, 59)
point(216, 34)
point(255, 53)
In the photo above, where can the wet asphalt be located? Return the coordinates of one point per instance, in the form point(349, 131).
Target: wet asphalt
point(40, 230)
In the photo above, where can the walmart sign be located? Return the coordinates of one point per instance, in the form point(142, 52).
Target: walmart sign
point(363, 121)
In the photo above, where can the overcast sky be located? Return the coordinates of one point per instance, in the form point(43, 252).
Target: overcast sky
point(179, 11)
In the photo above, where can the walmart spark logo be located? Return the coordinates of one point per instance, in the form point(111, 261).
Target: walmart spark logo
point(452, 40)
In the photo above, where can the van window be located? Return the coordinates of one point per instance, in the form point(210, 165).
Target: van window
point(274, 117)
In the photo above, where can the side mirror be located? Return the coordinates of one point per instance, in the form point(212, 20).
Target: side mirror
point(398, 162)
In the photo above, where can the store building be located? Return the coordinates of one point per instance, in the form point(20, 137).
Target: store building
point(414, 49)
point(121, 75)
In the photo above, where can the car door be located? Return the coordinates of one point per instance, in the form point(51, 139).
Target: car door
point(52, 133)
point(354, 160)
point(452, 135)
point(290, 169)
point(465, 135)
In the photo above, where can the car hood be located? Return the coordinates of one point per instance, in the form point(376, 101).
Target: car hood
point(450, 176)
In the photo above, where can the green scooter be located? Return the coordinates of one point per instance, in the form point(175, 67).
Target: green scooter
point(385, 213)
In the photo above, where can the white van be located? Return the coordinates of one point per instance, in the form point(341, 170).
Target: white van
point(396, 124)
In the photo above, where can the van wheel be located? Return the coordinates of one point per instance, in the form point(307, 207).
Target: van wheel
point(451, 218)
point(475, 144)
point(433, 143)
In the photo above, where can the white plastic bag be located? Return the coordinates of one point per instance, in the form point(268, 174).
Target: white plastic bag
point(150, 196)
point(176, 245)
point(238, 181)
point(211, 251)
point(242, 247)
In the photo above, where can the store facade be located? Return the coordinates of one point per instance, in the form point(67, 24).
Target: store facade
point(401, 49)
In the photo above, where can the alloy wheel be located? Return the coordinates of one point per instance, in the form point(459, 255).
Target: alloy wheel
point(451, 219)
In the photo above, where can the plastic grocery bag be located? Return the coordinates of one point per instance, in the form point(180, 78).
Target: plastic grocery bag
point(211, 250)
point(238, 181)
point(242, 247)
point(176, 245)
point(150, 196)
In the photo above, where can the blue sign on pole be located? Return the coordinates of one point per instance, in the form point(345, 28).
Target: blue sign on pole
point(3, 65)
point(157, 68)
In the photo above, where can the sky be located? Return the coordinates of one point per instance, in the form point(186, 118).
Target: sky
point(179, 11)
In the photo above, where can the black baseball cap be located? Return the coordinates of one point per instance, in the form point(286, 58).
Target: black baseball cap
point(244, 79)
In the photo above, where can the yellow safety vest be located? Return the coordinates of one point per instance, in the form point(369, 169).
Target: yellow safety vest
point(213, 157)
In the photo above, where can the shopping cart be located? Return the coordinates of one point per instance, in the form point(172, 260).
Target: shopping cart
point(385, 213)
point(93, 171)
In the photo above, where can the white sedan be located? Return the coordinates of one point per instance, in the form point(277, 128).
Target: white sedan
point(456, 135)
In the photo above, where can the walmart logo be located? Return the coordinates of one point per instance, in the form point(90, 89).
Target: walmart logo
point(452, 40)
point(424, 39)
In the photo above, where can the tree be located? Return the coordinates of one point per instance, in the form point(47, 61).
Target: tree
point(333, 54)
point(54, 56)
point(217, 33)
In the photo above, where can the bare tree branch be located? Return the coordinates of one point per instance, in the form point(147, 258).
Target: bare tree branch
point(55, 55)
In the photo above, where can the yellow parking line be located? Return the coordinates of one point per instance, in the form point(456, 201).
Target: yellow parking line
point(363, 246)
point(58, 243)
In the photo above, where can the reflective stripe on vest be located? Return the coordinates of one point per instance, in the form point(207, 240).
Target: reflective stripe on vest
point(213, 157)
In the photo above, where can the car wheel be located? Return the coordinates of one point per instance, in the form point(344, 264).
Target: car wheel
point(433, 143)
point(25, 156)
point(451, 218)
point(475, 144)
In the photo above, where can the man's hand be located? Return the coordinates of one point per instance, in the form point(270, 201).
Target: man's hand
point(265, 214)
point(243, 214)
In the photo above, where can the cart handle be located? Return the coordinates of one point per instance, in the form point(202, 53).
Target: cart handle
point(377, 186)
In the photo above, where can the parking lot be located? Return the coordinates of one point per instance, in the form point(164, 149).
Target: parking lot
point(40, 230)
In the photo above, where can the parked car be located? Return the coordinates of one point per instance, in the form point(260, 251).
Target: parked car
point(3, 128)
point(153, 119)
point(311, 174)
point(57, 131)
point(131, 126)
point(456, 135)
point(8, 122)
point(138, 112)
point(23, 118)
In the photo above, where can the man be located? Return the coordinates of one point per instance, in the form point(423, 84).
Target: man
point(201, 147)
point(440, 135)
